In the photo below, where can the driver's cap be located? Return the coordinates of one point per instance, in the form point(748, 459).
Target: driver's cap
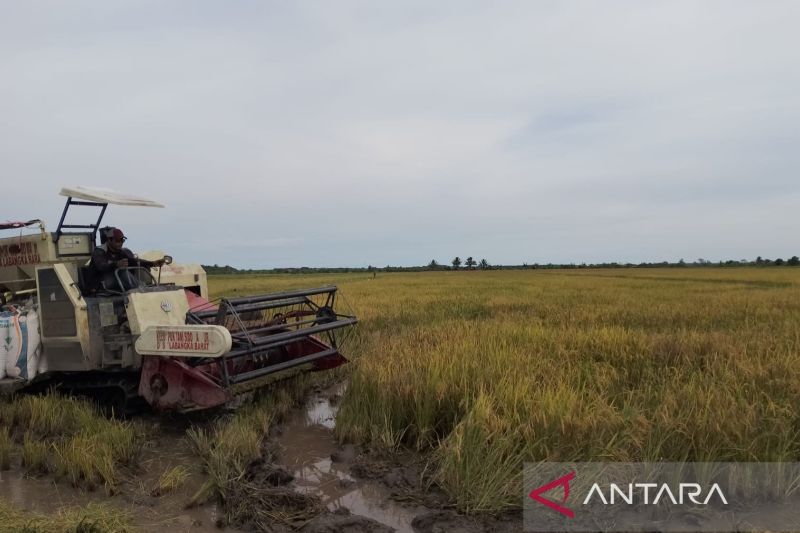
point(116, 233)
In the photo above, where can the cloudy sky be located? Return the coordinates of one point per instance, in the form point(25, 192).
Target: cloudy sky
point(353, 133)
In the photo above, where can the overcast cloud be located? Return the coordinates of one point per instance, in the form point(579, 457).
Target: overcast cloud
point(351, 133)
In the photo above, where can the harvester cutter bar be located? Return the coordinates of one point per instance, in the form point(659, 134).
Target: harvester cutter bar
point(282, 339)
point(330, 289)
point(278, 367)
point(257, 306)
point(275, 327)
point(273, 333)
point(265, 344)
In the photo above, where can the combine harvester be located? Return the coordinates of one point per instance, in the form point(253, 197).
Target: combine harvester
point(152, 334)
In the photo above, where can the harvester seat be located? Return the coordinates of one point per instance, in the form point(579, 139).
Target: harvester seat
point(86, 281)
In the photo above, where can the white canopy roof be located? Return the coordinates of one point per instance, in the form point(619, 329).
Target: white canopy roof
point(104, 196)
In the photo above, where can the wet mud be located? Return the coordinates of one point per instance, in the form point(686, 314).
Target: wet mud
point(169, 511)
point(364, 490)
point(305, 482)
point(306, 447)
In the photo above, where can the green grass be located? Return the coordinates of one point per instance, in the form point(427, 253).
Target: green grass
point(482, 371)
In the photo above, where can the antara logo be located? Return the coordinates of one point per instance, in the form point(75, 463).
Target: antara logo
point(631, 494)
point(563, 481)
point(639, 493)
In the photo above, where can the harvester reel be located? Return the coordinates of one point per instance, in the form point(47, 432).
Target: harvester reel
point(325, 314)
point(274, 333)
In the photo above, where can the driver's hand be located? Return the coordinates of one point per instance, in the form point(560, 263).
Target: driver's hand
point(122, 263)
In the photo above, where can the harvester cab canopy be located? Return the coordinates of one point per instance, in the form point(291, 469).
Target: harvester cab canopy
point(97, 198)
point(71, 243)
point(106, 196)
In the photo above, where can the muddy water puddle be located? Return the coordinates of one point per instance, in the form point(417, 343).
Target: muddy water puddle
point(170, 511)
point(305, 448)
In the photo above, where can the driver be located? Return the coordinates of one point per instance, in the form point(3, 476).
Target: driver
point(110, 256)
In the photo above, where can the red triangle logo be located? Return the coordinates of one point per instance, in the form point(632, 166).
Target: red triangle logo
point(536, 494)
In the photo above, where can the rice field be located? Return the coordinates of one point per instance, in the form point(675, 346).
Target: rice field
point(480, 371)
point(71, 440)
point(68, 437)
point(93, 518)
point(483, 370)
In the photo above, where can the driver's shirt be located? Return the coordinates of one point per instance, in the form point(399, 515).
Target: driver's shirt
point(104, 264)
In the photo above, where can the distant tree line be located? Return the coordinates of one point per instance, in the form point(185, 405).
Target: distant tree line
point(470, 264)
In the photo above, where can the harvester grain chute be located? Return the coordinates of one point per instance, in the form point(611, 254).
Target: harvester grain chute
point(147, 337)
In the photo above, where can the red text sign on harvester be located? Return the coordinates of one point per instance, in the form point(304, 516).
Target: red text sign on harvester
point(184, 341)
point(190, 341)
point(24, 253)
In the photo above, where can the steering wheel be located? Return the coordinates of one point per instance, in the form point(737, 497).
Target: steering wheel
point(129, 278)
